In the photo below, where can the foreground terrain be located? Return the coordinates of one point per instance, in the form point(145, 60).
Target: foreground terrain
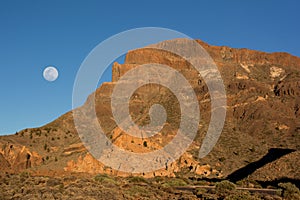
point(82, 186)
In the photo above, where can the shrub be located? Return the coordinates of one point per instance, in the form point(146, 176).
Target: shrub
point(137, 192)
point(137, 179)
point(238, 195)
point(290, 191)
point(174, 182)
point(52, 182)
point(225, 188)
point(38, 132)
point(103, 178)
point(157, 179)
point(200, 192)
point(24, 175)
point(222, 159)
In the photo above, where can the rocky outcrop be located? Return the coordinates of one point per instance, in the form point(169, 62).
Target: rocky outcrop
point(74, 148)
point(87, 163)
point(15, 157)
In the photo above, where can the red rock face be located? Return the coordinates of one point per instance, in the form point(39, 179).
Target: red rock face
point(263, 92)
point(15, 157)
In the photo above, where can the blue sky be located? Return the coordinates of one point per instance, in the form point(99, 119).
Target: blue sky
point(35, 34)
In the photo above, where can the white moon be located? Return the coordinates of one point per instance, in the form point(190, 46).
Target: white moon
point(50, 73)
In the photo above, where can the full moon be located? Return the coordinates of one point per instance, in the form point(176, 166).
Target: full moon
point(50, 73)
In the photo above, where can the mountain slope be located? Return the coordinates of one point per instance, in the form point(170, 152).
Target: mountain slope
point(263, 102)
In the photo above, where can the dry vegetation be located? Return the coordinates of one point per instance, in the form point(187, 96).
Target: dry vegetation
point(79, 186)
